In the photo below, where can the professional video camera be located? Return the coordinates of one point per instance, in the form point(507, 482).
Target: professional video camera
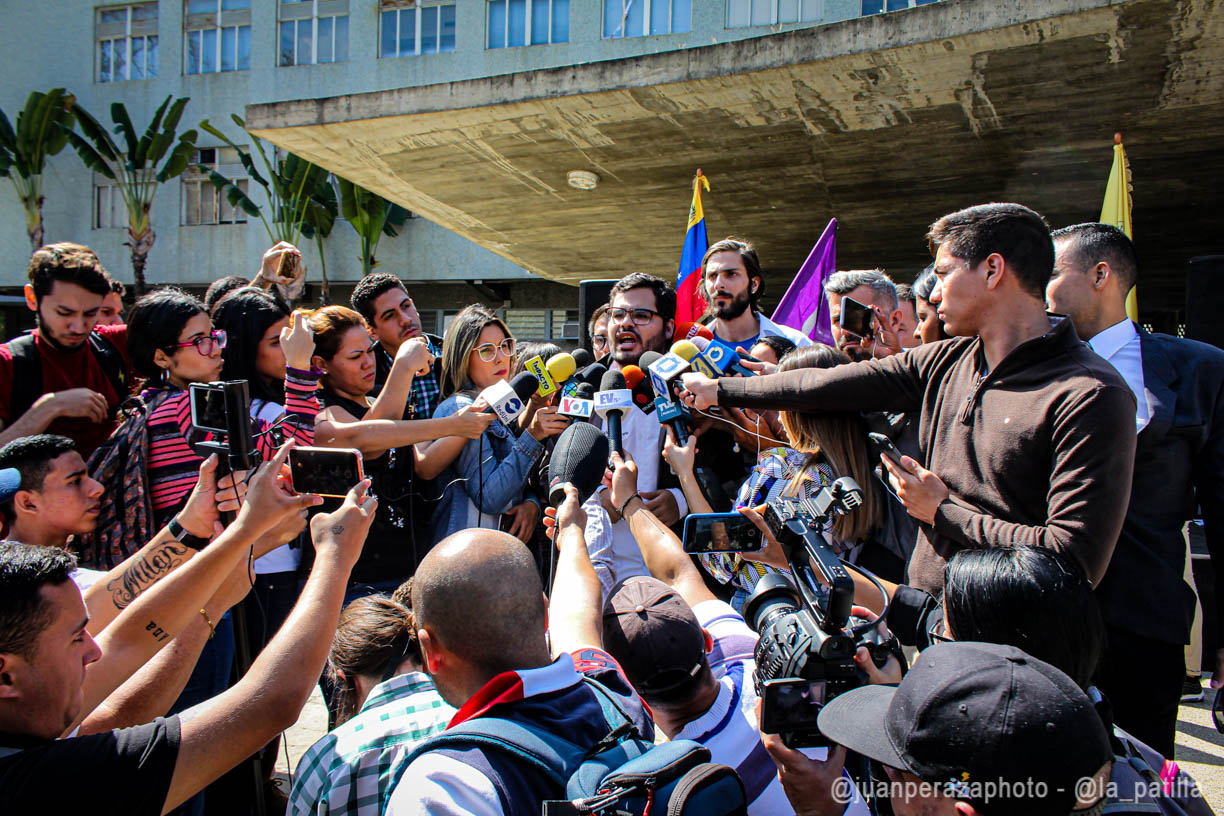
point(808, 638)
point(224, 410)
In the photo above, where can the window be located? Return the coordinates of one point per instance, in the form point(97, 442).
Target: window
point(528, 22)
point(877, 6)
point(636, 18)
point(109, 210)
point(217, 35)
point(202, 203)
point(127, 42)
point(771, 12)
point(416, 27)
point(313, 31)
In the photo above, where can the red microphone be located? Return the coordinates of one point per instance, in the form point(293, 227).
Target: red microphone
point(687, 331)
point(639, 385)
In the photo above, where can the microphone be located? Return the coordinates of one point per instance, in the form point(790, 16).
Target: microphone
point(612, 403)
point(560, 367)
point(687, 350)
point(639, 385)
point(664, 369)
point(546, 383)
point(580, 458)
point(581, 404)
point(687, 331)
point(589, 375)
point(508, 399)
point(722, 357)
point(582, 358)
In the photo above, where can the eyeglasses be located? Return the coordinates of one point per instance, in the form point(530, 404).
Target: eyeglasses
point(640, 316)
point(207, 344)
point(599, 341)
point(939, 632)
point(488, 351)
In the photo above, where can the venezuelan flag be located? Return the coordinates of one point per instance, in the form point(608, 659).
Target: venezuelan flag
point(690, 305)
point(1117, 206)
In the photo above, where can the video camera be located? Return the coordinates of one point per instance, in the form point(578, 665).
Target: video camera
point(224, 410)
point(808, 637)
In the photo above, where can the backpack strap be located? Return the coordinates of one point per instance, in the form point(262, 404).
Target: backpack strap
point(27, 375)
point(551, 755)
point(111, 362)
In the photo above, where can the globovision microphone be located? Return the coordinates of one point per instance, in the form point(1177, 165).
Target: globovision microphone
point(612, 402)
point(687, 350)
point(580, 458)
point(508, 399)
point(722, 357)
point(639, 386)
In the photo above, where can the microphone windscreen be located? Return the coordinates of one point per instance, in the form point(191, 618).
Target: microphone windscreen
point(685, 349)
point(585, 391)
point(592, 373)
point(648, 359)
point(701, 343)
point(561, 367)
point(633, 376)
point(688, 330)
point(582, 358)
point(612, 381)
point(525, 384)
point(580, 458)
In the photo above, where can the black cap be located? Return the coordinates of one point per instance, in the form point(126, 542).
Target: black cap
point(988, 723)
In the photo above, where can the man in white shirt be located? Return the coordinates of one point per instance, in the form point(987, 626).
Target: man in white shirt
point(1179, 465)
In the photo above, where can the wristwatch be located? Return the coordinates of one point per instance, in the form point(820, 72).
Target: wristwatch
point(185, 538)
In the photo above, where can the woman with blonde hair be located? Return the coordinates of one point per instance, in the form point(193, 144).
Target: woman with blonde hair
point(489, 476)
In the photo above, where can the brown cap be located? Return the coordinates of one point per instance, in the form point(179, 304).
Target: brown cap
point(653, 634)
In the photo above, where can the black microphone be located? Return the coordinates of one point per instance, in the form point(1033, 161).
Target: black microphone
point(508, 399)
point(612, 403)
point(579, 458)
point(582, 358)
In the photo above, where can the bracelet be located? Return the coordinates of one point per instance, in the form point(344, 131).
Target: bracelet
point(211, 629)
point(621, 511)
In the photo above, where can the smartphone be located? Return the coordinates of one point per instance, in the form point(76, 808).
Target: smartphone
point(325, 471)
point(856, 318)
point(792, 706)
point(885, 447)
point(721, 532)
point(286, 268)
point(208, 408)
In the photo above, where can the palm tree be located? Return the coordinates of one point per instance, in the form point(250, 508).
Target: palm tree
point(321, 215)
point(24, 151)
point(135, 170)
point(372, 216)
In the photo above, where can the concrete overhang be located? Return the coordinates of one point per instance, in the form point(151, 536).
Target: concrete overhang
point(885, 122)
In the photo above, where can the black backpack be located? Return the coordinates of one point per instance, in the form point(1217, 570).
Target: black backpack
point(28, 374)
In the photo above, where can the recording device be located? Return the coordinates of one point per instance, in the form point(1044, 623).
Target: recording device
point(805, 654)
point(856, 318)
point(547, 384)
point(722, 357)
point(580, 458)
point(612, 402)
point(639, 386)
point(581, 405)
point(325, 471)
point(582, 358)
point(721, 533)
point(286, 268)
point(884, 446)
point(224, 410)
point(508, 399)
point(560, 368)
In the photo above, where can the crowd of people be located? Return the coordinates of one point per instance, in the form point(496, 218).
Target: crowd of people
point(1027, 459)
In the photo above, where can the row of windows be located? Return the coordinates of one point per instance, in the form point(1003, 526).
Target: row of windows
point(217, 33)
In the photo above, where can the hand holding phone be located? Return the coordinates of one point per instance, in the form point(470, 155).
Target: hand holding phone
point(885, 447)
point(325, 471)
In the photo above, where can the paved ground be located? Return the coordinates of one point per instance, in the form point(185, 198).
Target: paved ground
point(1200, 748)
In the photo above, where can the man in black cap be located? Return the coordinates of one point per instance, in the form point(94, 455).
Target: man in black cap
point(975, 728)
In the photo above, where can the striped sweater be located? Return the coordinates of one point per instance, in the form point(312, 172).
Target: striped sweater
point(173, 466)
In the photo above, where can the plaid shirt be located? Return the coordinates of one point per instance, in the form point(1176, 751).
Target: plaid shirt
point(350, 770)
point(424, 397)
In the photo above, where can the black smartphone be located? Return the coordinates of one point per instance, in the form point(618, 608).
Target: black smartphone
point(208, 407)
point(885, 447)
point(856, 318)
point(325, 471)
point(790, 706)
point(721, 532)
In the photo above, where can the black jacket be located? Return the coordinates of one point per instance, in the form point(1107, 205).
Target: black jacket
point(1179, 464)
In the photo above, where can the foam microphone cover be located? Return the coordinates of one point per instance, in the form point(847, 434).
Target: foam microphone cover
point(579, 458)
point(687, 331)
point(561, 367)
point(612, 381)
point(582, 358)
point(686, 349)
point(592, 373)
point(633, 376)
point(648, 359)
point(525, 384)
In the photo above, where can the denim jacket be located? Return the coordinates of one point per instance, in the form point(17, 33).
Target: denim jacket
point(487, 478)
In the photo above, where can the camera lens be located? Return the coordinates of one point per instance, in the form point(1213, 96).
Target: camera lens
point(774, 596)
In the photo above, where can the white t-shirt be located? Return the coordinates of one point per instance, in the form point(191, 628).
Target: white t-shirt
point(284, 558)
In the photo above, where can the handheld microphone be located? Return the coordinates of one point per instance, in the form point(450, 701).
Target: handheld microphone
point(664, 370)
point(546, 383)
point(508, 399)
point(612, 402)
point(722, 357)
point(589, 375)
point(687, 350)
point(687, 331)
point(581, 404)
point(639, 385)
point(582, 358)
point(560, 367)
point(580, 458)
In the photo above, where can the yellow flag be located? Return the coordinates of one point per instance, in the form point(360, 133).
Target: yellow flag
point(1116, 209)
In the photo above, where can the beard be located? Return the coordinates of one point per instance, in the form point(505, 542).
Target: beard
point(738, 305)
point(54, 341)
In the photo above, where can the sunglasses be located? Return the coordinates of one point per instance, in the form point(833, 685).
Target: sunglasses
point(206, 345)
point(488, 351)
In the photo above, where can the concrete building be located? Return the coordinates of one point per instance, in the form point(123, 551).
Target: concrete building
point(472, 113)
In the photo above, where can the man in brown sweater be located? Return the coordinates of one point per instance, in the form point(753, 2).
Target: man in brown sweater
point(1028, 435)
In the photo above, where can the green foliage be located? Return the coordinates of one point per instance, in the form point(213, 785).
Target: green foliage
point(372, 216)
point(40, 132)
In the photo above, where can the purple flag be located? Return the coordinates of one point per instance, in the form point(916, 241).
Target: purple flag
point(804, 306)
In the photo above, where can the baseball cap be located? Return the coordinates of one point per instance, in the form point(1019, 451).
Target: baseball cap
point(10, 483)
point(653, 634)
point(1001, 729)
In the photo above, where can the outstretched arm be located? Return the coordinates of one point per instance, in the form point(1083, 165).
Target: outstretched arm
point(575, 608)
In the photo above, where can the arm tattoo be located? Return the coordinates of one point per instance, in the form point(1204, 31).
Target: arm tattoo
point(159, 634)
point(144, 572)
point(337, 529)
